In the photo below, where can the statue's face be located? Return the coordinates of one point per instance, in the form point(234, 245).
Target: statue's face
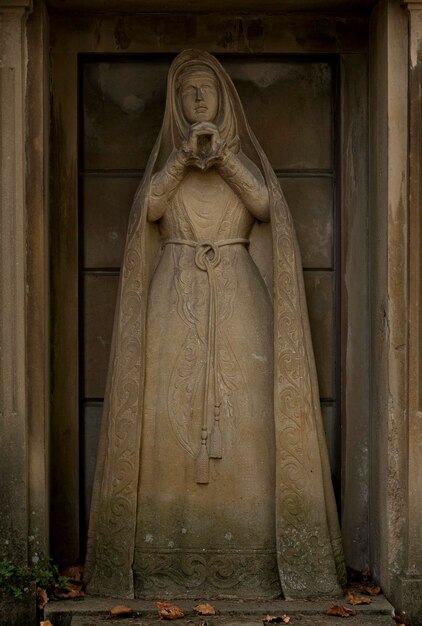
point(199, 96)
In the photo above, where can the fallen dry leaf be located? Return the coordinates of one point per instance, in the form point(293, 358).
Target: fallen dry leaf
point(340, 611)
point(353, 599)
point(74, 572)
point(121, 610)
point(46, 623)
point(69, 591)
point(372, 590)
point(42, 597)
point(274, 619)
point(204, 609)
point(169, 611)
point(368, 589)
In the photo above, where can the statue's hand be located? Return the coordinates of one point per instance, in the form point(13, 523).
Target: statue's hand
point(203, 146)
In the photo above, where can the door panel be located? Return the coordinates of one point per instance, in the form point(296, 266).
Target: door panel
point(99, 298)
point(320, 287)
point(311, 203)
point(288, 106)
point(104, 229)
point(123, 106)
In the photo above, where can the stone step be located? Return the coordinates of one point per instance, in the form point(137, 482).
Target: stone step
point(91, 611)
point(298, 620)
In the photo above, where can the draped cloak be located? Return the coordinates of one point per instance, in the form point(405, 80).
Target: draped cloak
point(307, 536)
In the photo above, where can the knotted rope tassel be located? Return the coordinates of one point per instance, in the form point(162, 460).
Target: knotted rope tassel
point(207, 263)
point(216, 446)
point(202, 464)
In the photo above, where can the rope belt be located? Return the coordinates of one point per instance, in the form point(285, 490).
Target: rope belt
point(207, 257)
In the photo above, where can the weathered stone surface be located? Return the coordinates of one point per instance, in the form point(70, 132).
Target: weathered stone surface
point(18, 611)
point(389, 315)
point(213, 476)
point(93, 611)
point(13, 399)
point(37, 280)
point(407, 586)
point(330, 6)
point(317, 620)
point(414, 494)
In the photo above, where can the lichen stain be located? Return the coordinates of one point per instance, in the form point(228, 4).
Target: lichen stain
point(97, 32)
point(122, 35)
point(233, 35)
point(319, 35)
point(242, 34)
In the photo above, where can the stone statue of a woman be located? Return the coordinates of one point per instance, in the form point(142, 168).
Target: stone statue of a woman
point(212, 474)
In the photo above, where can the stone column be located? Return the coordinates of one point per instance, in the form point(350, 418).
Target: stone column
point(13, 397)
point(388, 225)
point(410, 582)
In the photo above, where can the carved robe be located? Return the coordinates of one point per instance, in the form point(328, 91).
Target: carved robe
point(195, 537)
point(211, 333)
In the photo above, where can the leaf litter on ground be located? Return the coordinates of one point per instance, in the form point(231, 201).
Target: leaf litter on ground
point(69, 592)
point(169, 611)
point(42, 597)
point(372, 590)
point(354, 599)
point(120, 610)
point(338, 610)
point(74, 573)
point(362, 582)
point(204, 609)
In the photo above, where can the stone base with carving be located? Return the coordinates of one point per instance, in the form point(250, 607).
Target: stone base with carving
point(206, 573)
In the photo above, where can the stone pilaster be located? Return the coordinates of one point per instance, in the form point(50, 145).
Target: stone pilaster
point(388, 223)
point(37, 277)
point(409, 597)
point(13, 401)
